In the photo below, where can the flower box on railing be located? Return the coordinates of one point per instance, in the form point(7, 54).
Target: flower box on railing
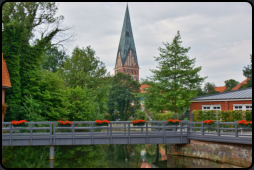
point(208, 123)
point(250, 124)
point(138, 122)
point(244, 124)
point(19, 123)
point(174, 122)
point(102, 122)
point(65, 123)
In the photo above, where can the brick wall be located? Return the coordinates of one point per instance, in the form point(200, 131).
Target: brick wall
point(225, 105)
point(236, 154)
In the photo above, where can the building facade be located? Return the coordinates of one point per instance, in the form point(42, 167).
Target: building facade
point(126, 58)
point(232, 100)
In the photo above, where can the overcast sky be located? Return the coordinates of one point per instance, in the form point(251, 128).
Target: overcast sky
point(219, 34)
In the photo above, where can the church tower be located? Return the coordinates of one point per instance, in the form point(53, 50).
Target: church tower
point(126, 59)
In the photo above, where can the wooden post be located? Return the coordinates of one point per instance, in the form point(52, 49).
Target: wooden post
point(236, 131)
point(218, 128)
point(51, 163)
point(156, 152)
point(31, 132)
point(202, 129)
point(51, 152)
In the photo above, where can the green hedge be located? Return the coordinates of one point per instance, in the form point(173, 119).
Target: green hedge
point(222, 116)
point(164, 116)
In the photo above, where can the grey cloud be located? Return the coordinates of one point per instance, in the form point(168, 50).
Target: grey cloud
point(219, 33)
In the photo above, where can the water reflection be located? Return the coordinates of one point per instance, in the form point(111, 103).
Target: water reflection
point(99, 156)
point(188, 162)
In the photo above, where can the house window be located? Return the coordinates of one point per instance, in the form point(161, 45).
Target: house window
point(142, 109)
point(242, 106)
point(238, 107)
point(206, 107)
point(135, 72)
point(248, 107)
point(211, 107)
point(136, 79)
point(132, 73)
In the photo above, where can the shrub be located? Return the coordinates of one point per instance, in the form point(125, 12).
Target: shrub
point(248, 115)
point(164, 116)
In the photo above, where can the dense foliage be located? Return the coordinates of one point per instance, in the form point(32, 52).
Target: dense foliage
point(122, 100)
point(173, 84)
point(231, 83)
point(247, 72)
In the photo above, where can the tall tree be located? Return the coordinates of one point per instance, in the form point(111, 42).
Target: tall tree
point(209, 88)
point(53, 58)
point(28, 19)
point(173, 84)
point(247, 72)
point(122, 98)
point(231, 83)
point(84, 69)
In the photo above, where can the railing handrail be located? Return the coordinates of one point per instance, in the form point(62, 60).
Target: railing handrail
point(160, 129)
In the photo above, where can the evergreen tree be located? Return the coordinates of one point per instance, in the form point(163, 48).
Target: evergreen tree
point(173, 84)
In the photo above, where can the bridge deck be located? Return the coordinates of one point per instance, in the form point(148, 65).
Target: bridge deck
point(121, 133)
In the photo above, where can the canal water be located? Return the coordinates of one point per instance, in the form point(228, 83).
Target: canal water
point(101, 156)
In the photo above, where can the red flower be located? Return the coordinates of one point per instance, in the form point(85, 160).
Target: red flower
point(102, 122)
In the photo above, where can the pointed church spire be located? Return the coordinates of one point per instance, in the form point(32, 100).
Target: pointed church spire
point(127, 40)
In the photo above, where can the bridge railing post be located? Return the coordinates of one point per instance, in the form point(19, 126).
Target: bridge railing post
point(181, 125)
point(31, 132)
point(50, 132)
point(129, 129)
point(92, 133)
point(146, 132)
point(111, 133)
point(202, 130)
point(73, 132)
point(54, 132)
point(236, 131)
point(11, 134)
point(218, 128)
point(164, 139)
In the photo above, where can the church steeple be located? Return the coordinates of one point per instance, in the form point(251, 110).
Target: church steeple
point(126, 60)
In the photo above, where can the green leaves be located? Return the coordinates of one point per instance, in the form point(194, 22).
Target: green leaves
point(122, 97)
point(173, 83)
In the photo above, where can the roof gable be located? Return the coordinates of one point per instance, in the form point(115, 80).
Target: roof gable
point(220, 89)
point(239, 85)
point(5, 75)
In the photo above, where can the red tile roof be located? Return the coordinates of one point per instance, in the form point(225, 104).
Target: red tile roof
point(239, 85)
point(5, 75)
point(142, 87)
point(220, 89)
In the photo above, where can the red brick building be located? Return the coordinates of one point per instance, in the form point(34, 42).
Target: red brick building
point(232, 100)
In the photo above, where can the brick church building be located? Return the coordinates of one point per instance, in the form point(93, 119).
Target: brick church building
point(126, 58)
